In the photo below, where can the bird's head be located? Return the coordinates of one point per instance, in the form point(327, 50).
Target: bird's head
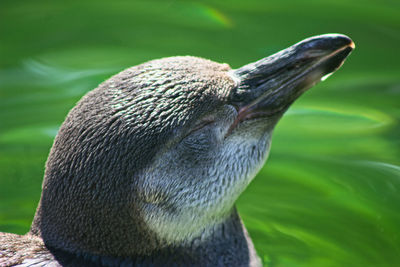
point(167, 147)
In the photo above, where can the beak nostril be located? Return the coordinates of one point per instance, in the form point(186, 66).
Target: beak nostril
point(292, 67)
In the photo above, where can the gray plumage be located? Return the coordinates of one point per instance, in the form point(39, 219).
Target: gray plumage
point(146, 168)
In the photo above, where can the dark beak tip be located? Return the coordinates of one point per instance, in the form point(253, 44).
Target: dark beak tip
point(328, 42)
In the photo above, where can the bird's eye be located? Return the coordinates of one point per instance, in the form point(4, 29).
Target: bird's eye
point(187, 138)
point(198, 141)
point(203, 123)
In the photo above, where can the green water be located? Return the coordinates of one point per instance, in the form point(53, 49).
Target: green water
point(329, 194)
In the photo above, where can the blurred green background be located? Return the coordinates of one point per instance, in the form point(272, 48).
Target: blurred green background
point(329, 193)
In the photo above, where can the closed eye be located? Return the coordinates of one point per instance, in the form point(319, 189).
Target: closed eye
point(199, 126)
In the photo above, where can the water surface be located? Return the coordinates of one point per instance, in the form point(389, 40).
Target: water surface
point(329, 193)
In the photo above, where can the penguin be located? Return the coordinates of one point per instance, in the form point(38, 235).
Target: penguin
point(146, 168)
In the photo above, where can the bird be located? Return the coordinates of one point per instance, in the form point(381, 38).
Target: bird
point(146, 168)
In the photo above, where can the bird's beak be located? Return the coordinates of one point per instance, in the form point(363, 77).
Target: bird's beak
point(266, 88)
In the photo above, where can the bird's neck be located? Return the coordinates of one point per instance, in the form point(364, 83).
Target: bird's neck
point(227, 245)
